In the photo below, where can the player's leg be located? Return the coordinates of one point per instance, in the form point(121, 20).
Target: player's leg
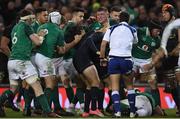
point(8, 95)
point(73, 75)
point(87, 96)
point(177, 74)
point(32, 80)
point(126, 69)
point(46, 70)
point(91, 75)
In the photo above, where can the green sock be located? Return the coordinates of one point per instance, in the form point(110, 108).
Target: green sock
point(47, 92)
point(70, 93)
point(75, 100)
point(7, 95)
point(27, 98)
point(156, 95)
point(36, 104)
point(44, 103)
point(80, 95)
point(55, 98)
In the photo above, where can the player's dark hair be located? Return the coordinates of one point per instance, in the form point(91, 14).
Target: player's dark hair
point(115, 8)
point(39, 10)
point(102, 9)
point(78, 9)
point(25, 13)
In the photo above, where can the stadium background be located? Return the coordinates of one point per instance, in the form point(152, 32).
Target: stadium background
point(140, 10)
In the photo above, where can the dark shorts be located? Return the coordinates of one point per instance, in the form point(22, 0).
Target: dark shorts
point(169, 63)
point(120, 65)
point(81, 62)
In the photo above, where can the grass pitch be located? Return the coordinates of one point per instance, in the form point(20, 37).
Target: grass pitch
point(171, 113)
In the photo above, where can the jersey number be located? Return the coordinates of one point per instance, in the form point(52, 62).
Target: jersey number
point(14, 39)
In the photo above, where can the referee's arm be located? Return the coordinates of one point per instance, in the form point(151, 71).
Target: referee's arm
point(104, 43)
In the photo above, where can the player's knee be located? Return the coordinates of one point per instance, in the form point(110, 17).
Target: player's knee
point(32, 79)
point(152, 79)
point(65, 81)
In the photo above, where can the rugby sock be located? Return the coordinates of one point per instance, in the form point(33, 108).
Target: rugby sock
point(75, 100)
point(27, 98)
point(36, 104)
point(80, 95)
point(7, 95)
point(178, 91)
point(94, 97)
point(87, 100)
point(44, 103)
point(70, 93)
point(100, 99)
point(47, 92)
point(156, 95)
point(55, 98)
point(110, 99)
point(174, 94)
point(131, 100)
point(20, 94)
point(116, 101)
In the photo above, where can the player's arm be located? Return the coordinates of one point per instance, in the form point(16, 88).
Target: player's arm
point(176, 50)
point(92, 46)
point(104, 43)
point(155, 60)
point(167, 33)
point(38, 38)
point(76, 40)
point(4, 45)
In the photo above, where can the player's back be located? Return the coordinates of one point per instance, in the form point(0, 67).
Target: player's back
point(21, 43)
point(53, 38)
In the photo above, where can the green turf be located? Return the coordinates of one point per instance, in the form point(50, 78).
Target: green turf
point(12, 114)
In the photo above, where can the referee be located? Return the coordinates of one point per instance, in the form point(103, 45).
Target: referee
point(120, 38)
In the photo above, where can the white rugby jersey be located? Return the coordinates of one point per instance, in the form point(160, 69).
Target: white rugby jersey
point(121, 37)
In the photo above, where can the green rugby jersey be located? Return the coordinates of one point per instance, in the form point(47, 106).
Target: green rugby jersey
point(52, 39)
point(21, 42)
point(146, 44)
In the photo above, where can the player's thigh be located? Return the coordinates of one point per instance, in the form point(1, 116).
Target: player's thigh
point(139, 63)
point(45, 65)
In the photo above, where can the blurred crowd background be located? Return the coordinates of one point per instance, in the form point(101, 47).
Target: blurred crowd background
point(141, 11)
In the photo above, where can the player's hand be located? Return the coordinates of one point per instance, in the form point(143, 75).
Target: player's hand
point(98, 53)
point(42, 32)
point(77, 37)
point(147, 67)
point(103, 62)
point(175, 52)
point(61, 49)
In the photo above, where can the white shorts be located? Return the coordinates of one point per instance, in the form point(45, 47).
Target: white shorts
point(69, 68)
point(139, 63)
point(45, 65)
point(59, 68)
point(20, 69)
